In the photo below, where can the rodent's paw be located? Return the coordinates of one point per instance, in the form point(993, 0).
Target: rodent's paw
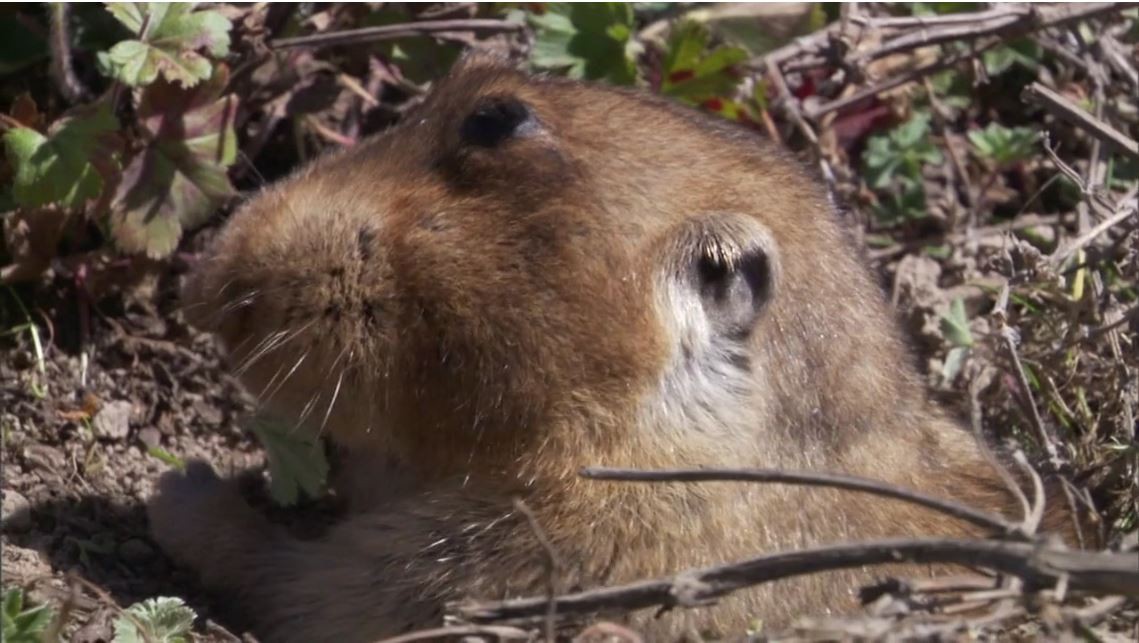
point(199, 519)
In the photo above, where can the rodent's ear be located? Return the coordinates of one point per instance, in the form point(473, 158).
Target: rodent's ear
point(728, 266)
point(496, 119)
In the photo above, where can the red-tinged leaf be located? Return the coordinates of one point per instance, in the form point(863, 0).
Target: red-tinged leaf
point(713, 104)
point(180, 177)
point(681, 75)
point(25, 111)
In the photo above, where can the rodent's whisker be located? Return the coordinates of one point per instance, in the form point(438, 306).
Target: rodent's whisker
point(296, 333)
point(308, 407)
point(271, 341)
point(296, 365)
point(332, 402)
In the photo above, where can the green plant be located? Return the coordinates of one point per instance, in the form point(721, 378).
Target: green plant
point(955, 327)
point(1023, 52)
point(38, 383)
point(1004, 146)
point(146, 171)
point(297, 464)
point(155, 620)
point(23, 624)
point(591, 40)
point(893, 165)
point(698, 76)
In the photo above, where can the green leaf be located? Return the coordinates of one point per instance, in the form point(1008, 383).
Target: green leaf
point(169, 39)
point(167, 457)
point(296, 460)
point(179, 178)
point(686, 43)
point(64, 166)
point(955, 325)
point(694, 76)
point(954, 360)
point(905, 201)
point(155, 620)
point(586, 40)
point(893, 161)
point(1004, 145)
point(21, 625)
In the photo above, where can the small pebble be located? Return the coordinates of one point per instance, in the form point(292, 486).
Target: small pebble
point(112, 422)
point(16, 513)
point(150, 436)
point(209, 414)
point(41, 456)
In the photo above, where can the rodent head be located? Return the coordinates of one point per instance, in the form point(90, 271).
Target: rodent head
point(519, 256)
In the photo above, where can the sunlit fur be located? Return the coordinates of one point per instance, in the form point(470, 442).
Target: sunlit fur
point(479, 324)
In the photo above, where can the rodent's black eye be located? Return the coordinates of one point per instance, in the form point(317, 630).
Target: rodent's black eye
point(495, 120)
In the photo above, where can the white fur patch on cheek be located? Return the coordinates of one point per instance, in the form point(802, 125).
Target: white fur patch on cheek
point(706, 399)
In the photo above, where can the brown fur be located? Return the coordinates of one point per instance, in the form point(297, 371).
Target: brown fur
point(492, 319)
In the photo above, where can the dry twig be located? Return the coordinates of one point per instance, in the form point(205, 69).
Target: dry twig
point(811, 479)
point(1061, 107)
point(1039, 565)
point(436, 28)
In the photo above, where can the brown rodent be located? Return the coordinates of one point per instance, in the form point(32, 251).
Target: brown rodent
point(532, 275)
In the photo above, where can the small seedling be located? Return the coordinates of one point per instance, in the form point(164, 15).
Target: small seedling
point(167, 457)
point(955, 327)
point(23, 624)
point(155, 620)
point(893, 163)
point(1004, 146)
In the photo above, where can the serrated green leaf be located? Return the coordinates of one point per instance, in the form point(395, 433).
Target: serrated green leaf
point(61, 167)
point(1004, 145)
point(955, 325)
point(175, 183)
point(585, 40)
point(893, 162)
point(13, 602)
point(694, 75)
point(685, 44)
point(296, 461)
point(169, 40)
point(20, 625)
point(155, 620)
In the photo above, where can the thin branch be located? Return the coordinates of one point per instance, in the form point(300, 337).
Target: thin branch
point(1125, 208)
point(500, 632)
point(1003, 23)
point(1009, 338)
point(61, 70)
point(1065, 109)
point(910, 76)
point(994, 29)
point(1101, 572)
point(1095, 333)
point(552, 563)
point(390, 32)
point(1036, 515)
point(812, 479)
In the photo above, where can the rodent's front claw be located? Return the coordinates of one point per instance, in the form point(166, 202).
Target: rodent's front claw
point(198, 518)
